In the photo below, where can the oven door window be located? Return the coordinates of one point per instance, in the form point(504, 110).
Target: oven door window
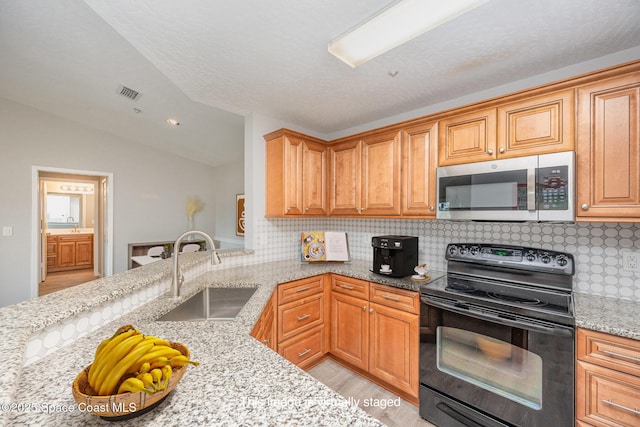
point(492, 364)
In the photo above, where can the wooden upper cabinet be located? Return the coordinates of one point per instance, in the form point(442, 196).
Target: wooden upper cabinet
point(419, 161)
point(345, 180)
point(365, 175)
point(466, 138)
point(538, 125)
point(314, 178)
point(608, 150)
point(381, 174)
point(296, 171)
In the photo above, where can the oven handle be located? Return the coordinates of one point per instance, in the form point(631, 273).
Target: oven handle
point(457, 415)
point(522, 324)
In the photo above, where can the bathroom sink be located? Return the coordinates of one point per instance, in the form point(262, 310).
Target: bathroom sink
point(211, 304)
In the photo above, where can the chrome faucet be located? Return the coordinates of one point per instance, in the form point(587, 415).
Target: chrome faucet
point(178, 277)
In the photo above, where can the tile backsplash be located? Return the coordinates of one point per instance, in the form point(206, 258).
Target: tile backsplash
point(597, 247)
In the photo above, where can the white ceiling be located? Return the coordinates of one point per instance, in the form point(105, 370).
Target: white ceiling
point(209, 62)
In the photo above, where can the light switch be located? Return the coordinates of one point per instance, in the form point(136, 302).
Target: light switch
point(7, 231)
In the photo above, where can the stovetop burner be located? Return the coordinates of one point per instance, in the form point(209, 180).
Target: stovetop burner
point(519, 300)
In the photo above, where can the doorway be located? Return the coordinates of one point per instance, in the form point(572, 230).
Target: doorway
point(72, 230)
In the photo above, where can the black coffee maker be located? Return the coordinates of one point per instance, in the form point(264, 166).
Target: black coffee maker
point(395, 256)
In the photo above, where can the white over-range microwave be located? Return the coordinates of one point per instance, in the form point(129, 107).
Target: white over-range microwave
point(532, 188)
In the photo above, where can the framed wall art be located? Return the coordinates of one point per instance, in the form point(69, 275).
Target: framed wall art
point(240, 214)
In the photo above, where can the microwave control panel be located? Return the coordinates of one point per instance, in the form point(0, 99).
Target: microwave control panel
point(552, 190)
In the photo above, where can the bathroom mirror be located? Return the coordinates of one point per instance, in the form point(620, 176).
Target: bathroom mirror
point(63, 210)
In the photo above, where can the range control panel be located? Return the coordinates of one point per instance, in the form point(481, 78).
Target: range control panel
point(512, 256)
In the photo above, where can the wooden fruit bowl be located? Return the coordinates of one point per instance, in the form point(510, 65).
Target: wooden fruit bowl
point(124, 405)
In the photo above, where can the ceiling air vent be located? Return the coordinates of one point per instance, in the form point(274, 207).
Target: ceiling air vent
point(128, 92)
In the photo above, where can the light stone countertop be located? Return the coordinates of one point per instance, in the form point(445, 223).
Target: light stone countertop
point(239, 380)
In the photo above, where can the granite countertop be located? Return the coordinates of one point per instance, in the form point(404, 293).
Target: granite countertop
point(239, 380)
point(613, 316)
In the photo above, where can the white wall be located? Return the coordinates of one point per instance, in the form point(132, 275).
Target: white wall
point(150, 187)
point(228, 181)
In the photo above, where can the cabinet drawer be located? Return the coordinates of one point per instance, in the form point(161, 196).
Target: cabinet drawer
point(607, 398)
point(610, 351)
point(293, 291)
point(348, 286)
point(299, 316)
point(79, 238)
point(395, 298)
point(304, 348)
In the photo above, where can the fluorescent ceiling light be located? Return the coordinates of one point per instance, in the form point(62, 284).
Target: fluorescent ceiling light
point(394, 25)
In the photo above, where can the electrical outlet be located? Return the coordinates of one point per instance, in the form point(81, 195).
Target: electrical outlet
point(7, 231)
point(631, 261)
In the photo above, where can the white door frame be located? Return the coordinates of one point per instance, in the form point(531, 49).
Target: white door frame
point(35, 221)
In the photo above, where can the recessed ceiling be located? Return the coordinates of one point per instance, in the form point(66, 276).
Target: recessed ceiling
point(208, 63)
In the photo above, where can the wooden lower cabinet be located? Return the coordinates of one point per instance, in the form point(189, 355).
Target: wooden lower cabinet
point(370, 328)
point(302, 308)
point(69, 252)
point(393, 347)
point(265, 328)
point(350, 330)
point(378, 335)
point(607, 380)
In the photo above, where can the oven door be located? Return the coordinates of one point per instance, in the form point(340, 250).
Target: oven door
point(494, 190)
point(480, 367)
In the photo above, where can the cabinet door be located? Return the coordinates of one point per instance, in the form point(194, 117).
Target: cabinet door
point(350, 330)
point(393, 348)
point(608, 150)
point(345, 178)
point(52, 253)
point(84, 252)
point(264, 329)
point(292, 175)
point(66, 253)
point(314, 178)
point(539, 125)
point(381, 174)
point(283, 186)
point(467, 138)
point(419, 160)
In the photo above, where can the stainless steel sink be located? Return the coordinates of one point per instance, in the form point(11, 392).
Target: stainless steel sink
point(211, 304)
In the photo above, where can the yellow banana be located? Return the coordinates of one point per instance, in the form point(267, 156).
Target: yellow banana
point(157, 377)
point(157, 341)
point(159, 362)
point(146, 367)
point(114, 375)
point(100, 357)
point(166, 375)
point(112, 359)
point(181, 361)
point(133, 385)
point(156, 352)
point(147, 380)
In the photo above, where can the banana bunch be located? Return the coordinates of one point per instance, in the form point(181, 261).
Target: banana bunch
point(132, 362)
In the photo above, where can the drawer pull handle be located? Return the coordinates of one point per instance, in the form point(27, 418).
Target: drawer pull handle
point(266, 341)
point(304, 352)
point(302, 289)
point(389, 297)
point(346, 287)
point(614, 354)
point(624, 408)
point(304, 316)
